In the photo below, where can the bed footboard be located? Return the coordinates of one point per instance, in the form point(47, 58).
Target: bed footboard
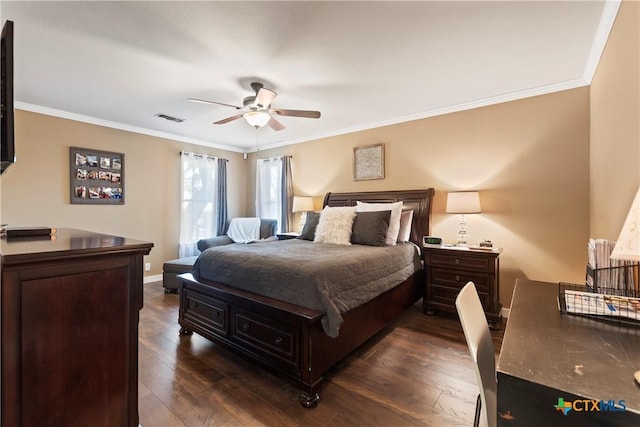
point(283, 337)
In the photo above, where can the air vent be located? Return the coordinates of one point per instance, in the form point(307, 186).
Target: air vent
point(170, 118)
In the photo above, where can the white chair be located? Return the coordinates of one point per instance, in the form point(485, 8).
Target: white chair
point(476, 332)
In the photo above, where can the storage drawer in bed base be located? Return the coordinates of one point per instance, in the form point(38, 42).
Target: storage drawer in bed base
point(207, 312)
point(284, 337)
point(265, 334)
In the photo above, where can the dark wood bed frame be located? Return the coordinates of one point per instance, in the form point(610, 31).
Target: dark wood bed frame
point(288, 338)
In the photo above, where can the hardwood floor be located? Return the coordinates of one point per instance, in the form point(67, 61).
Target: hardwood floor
point(416, 372)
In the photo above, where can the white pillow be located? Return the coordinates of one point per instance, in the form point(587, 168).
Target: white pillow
point(406, 218)
point(394, 220)
point(335, 225)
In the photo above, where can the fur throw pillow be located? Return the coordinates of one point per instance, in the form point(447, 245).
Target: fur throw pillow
point(335, 225)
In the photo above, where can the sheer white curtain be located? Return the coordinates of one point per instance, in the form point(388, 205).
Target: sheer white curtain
point(198, 201)
point(269, 189)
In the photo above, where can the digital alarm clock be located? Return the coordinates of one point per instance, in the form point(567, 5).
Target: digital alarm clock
point(431, 241)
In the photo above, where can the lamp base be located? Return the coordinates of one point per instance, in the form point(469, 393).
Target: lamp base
point(462, 239)
point(462, 232)
point(303, 221)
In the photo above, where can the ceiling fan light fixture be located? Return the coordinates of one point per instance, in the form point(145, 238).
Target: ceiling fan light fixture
point(257, 119)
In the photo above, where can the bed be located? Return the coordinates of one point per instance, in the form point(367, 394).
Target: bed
point(292, 339)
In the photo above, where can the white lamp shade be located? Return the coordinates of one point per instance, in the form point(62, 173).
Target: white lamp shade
point(628, 243)
point(463, 202)
point(257, 118)
point(302, 204)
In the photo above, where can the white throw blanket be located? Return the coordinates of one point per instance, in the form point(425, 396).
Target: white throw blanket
point(244, 230)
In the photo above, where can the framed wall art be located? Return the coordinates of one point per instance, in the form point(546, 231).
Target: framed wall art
point(368, 162)
point(96, 177)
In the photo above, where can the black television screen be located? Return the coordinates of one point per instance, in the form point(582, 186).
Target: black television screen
point(7, 147)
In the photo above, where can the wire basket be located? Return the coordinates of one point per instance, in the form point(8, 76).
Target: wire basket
point(611, 304)
point(616, 279)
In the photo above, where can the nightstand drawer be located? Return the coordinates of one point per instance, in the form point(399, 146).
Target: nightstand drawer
point(446, 296)
point(462, 260)
point(457, 279)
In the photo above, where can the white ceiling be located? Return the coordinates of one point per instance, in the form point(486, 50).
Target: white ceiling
point(362, 64)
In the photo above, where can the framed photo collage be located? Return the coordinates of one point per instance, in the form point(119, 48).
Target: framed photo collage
point(96, 177)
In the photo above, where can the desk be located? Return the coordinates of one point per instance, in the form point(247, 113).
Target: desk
point(547, 355)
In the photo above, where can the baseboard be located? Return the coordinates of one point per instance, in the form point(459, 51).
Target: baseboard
point(151, 279)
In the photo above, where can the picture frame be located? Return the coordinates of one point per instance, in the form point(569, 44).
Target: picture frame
point(96, 177)
point(368, 162)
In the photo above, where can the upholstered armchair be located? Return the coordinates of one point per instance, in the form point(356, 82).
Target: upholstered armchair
point(267, 229)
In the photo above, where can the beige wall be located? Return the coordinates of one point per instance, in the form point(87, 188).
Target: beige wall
point(545, 189)
point(35, 190)
point(528, 158)
point(615, 125)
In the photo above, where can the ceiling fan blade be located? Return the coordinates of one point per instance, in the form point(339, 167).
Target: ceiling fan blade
point(265, 97)
point(275, 125)
point(297, 113)
point(228, 119)
point(204, 101)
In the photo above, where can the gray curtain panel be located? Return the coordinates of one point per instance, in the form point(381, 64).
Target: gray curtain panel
point(221, 205)
point(287, 195)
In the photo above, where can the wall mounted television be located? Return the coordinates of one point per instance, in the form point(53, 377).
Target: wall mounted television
point(7, 140)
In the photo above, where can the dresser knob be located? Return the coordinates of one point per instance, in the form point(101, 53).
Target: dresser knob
point(457, 278)
point(278, 341)
point(216, 314)
point(195, 304)
point(457, 261)
point(245, 326)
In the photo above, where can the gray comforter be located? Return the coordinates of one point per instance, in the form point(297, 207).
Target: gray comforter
point(321, 276)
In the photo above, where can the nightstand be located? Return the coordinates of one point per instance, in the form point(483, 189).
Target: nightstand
point(448, 269)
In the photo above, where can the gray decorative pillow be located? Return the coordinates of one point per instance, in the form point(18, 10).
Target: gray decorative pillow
point(309, 229)
point(370, 228)
point(394, 222)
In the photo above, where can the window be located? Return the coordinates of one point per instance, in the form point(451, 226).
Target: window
point(198, 201)
point(274, 190)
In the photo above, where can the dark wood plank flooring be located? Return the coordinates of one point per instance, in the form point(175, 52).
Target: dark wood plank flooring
point(416, 372)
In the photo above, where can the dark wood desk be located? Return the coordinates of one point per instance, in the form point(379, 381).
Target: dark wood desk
point(547, 355)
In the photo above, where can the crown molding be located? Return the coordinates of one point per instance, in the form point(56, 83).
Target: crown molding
point(607, 19)
point(121, 126)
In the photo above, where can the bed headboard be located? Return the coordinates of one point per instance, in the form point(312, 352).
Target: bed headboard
point(417, 200)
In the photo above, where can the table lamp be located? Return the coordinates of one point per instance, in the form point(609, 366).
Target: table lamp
point(302, 204)
point(628, 243)
point(463, 202)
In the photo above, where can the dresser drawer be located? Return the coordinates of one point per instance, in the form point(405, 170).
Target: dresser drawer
point(457, 279)
point(206, 311)
point(266, 335)
point(460, 261)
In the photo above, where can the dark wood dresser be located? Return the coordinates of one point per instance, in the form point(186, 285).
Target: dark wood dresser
point(448, 269)
point(69, 312)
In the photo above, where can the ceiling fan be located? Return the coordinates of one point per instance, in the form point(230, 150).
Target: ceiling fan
point(257, 109)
